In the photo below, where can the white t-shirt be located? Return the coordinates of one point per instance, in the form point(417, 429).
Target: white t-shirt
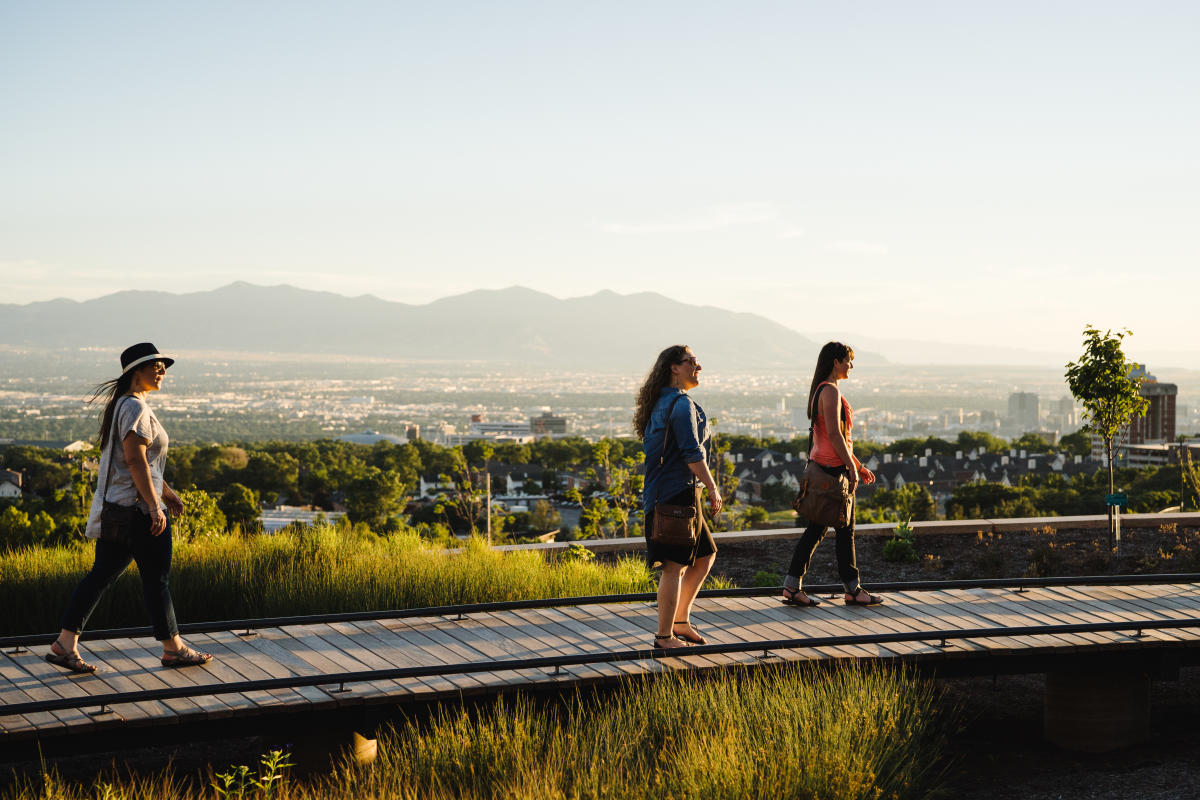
point(114, 482)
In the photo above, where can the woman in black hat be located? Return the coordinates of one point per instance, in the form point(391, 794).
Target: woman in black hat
point(128, 515)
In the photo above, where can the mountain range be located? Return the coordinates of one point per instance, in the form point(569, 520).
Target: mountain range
point(514, 325)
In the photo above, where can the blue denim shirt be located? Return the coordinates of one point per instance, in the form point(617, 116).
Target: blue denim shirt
point(689, 444)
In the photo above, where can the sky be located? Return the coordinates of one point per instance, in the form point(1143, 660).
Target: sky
point(981, 173)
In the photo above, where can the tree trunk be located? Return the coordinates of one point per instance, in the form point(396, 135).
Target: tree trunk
point(1108, 446)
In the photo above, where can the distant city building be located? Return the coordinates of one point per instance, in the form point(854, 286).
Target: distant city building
point(372, 437)
point(10, 484)
point(413, 432)
point(1149, 438)
point(1023, 411)
point(547, 423)
point(1158, 423)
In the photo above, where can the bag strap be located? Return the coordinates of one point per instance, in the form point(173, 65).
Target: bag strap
point(112, 443)
point(667, 437)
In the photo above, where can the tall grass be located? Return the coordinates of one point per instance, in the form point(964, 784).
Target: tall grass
point(310, 570)
point(847, 734)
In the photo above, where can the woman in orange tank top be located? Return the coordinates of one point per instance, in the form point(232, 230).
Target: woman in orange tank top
point(832, 450)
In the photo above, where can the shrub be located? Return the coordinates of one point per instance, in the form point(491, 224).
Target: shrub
point(902, 546)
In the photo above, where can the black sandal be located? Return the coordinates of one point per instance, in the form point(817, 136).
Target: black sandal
point(658, 639)
point(789, 598)
point(872, 599)
point(693, 637)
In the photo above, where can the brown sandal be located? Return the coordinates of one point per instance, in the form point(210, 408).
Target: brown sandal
point(186, 657)
point(72, 661)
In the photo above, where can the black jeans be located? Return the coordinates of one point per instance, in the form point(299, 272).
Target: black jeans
point(847, 562)
point(153, 557)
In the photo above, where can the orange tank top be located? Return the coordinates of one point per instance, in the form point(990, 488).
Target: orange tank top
point(822, 451)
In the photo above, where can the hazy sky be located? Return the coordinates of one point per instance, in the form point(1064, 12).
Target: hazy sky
point(962, 171)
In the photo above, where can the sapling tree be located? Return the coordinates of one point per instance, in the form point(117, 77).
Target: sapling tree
point(1101, 381)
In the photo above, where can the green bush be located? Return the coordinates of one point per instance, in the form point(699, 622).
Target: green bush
point(902, 546)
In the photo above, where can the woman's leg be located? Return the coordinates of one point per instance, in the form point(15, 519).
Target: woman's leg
point(693, 579)
point(802, 555)
point(846, 559)
point(668, 604)
point(153, 557)
point(111, 561)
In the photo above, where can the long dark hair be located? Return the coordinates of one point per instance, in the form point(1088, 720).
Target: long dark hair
point(109, 393)
point(658, 379)
point(832, 351)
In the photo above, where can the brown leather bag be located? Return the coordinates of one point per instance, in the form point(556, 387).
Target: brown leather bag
point(824, 498)
point(675, 526)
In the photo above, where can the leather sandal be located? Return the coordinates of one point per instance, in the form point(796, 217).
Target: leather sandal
point(658, 639)
point(789, 598)
point(692, 637)
point(186, 657)
point(852, 599)
point(72, 661)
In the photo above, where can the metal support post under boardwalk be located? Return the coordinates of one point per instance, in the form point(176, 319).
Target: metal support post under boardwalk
point(1095, 712)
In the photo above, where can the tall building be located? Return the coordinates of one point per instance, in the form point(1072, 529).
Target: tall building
point(1023, 411)
point(547, 423)
point(1158, 423)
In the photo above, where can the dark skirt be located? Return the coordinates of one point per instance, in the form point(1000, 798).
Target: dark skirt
point(656, 553)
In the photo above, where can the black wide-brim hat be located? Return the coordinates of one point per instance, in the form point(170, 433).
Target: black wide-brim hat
point(141, 353)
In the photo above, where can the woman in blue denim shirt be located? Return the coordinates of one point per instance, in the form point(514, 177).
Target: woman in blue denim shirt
point(683, 466)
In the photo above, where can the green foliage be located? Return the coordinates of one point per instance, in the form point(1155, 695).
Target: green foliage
point(1100, 381)
point(680, 735)
point(201, 515)
point(375, 497)
point(765, 578)
point(1032, 443)
point(577, 552)
point(910, 502)
point(1078, 443)
point(755, 516)
point(305, 570)
point(902, 546)
point(544, 518)
point(240, 506)
point(240, 782)
point(981, 441)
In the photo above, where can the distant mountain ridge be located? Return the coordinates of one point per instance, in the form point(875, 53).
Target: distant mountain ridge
point(516, 324)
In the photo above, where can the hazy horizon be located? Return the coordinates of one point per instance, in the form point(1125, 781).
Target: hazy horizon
point(930, 172)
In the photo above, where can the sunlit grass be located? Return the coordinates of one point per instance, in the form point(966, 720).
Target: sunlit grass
point(312, 570)
point(853, 732)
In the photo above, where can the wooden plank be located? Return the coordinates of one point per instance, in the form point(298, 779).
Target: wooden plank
point(389, 645)
point(137, 713)
point(210, 706)
point(230, 666)
point(353, 655)
point(44, 681)
point(645, 617)
point(123, 656)
point(771, 620)
point(1110, 609)
point(580, 632)
point(1008, 603)
point(611, 617)
point(988, 613)
point(586, 625)
point(542, 636)
point(14, 682)
point(1071, 614)
point(359, 645)
point(444, 642)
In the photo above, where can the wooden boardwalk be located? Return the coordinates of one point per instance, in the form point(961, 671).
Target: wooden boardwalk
point(339, 647)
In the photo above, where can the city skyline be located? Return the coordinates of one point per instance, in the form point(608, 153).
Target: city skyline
point(926, 172)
